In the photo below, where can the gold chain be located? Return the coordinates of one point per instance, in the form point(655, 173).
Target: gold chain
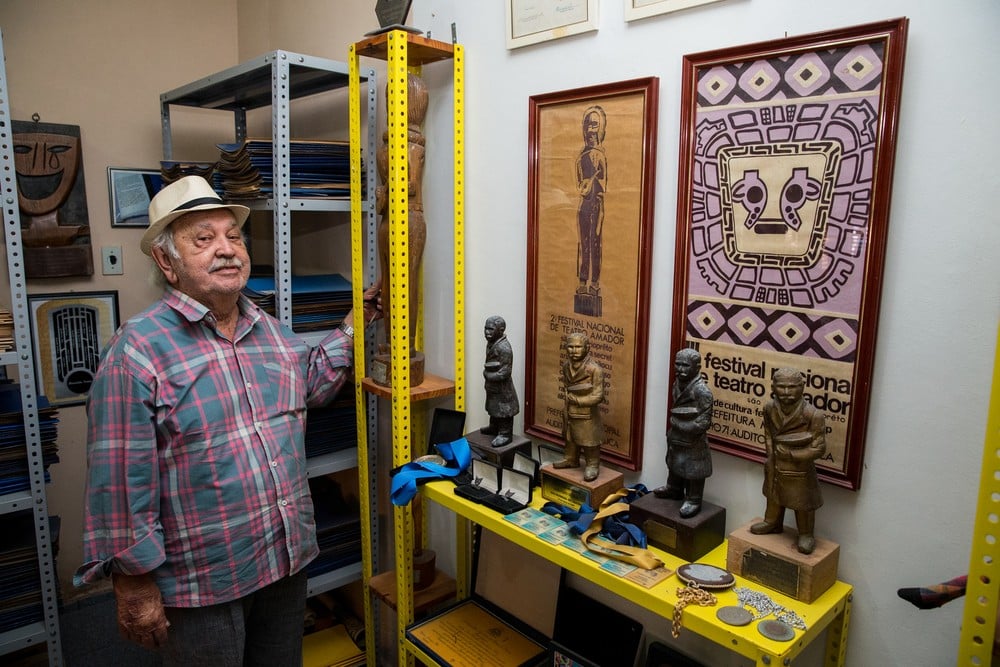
point(691, 594)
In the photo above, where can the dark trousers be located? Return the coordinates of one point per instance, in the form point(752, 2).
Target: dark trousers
point(262, 629)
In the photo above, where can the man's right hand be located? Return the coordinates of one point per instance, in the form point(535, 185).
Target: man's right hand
point(141, 618)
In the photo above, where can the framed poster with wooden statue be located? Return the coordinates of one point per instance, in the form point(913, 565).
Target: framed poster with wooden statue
point(591, 173)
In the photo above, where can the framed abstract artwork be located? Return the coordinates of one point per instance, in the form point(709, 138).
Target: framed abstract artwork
point(68, 333)
point(786, 163)
point(591, 175)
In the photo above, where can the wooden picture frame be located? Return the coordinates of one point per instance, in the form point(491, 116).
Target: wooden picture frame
point(786, 162)
point(129, 193)
point(640, 9)
point(613, 306)
point(534, 21)
point(68, 334)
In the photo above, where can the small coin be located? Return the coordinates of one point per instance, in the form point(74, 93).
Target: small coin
point(734, 615)
point(776, 630)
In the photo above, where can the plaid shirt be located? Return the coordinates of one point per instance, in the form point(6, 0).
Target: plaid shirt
point(196, 463)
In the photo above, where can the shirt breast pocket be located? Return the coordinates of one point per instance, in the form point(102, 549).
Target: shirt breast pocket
point(281, 388)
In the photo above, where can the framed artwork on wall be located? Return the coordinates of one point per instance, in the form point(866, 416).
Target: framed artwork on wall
point(534, 21)
point(130, 191)
point(640, 9)
point(786, 162)
point(52, 198)
point(68, 333)
point(591, 170)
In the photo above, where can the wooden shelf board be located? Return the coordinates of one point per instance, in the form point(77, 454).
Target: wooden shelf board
point(433, 386)
point(419, 50)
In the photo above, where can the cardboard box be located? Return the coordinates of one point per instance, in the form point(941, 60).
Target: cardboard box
point(774, 561)
point(689, 538)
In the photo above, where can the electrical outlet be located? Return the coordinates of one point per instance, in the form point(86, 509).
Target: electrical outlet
point(111, 260)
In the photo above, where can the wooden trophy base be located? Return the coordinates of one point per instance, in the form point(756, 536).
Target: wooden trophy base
point(503, 455)
point(381, 369)
point(566, 486)
point(666, 529)
point(424, 570)
point(774, 561)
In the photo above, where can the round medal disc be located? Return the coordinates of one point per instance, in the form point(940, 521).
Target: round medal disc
point(776, 630)
point(705, 576)
point(734, 615)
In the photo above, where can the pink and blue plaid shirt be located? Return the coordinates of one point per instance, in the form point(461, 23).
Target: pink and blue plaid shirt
point(196, 461)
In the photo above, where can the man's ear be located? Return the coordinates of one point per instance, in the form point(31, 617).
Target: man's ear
point(162, 259)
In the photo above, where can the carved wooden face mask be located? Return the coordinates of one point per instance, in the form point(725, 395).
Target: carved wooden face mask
point(46, 166)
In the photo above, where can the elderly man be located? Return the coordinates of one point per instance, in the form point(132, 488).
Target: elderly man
point(197, 501)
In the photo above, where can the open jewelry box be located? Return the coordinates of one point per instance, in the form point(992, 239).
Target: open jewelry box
point(514, 493)
point(485, 481)
point(502, 489)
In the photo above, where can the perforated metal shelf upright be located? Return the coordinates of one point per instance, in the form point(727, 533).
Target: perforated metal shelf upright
point(979, 618)
point(274, 80)
point(404, 51)
point(34, 499)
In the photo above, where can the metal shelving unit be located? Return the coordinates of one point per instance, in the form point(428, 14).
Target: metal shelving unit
point(46, 630)
point(404, 51)
point(275, 80)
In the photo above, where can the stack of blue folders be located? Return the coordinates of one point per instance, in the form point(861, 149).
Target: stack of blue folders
point(319, 302)
point(13, 452)
point(332, 427)
point(20, 584)
point(338, 527)
point(317, 169)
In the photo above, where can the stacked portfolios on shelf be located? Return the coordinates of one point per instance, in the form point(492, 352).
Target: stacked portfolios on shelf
point(319, 302)
point(332, 428)
point(20, 581)
point(14, 474)
point(317, 169)
point(338, 528)
point(6, 330)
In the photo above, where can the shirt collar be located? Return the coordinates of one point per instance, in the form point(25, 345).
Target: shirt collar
point(195, 311)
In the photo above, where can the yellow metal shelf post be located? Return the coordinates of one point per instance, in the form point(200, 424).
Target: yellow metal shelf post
point(979, 619)
point(462, 527)
point(404, 52)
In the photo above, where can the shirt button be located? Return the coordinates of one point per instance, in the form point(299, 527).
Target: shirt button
point(284, 503)
point(274, 464)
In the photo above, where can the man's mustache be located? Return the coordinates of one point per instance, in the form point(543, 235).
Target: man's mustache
point(225, 264)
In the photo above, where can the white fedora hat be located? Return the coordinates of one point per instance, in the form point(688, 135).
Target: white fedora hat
point(188, 194)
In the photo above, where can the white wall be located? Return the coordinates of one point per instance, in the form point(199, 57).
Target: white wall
point(911, 522)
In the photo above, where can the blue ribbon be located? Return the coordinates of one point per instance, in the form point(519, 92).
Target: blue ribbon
point(405, 480)
point(616, 528)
